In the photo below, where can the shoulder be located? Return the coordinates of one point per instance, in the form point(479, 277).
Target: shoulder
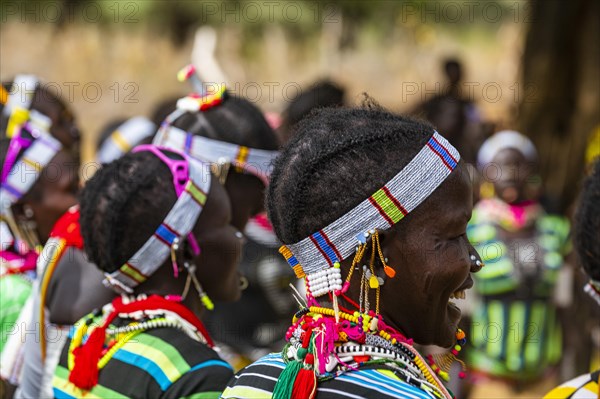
point(372, 383)
point(181, 365)
point(258, 381)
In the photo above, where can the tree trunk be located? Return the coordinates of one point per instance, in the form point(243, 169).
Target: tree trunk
point(561, 91)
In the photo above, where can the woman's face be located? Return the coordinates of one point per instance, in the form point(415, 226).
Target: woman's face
point(221, 247)
point(431, 255)
point(510, 175)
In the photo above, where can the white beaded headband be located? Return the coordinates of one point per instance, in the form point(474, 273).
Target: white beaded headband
point(386, 207)
point(250, 160)
point(178, 223)
point(18, 105)
point(28, 168)
point(124, 138)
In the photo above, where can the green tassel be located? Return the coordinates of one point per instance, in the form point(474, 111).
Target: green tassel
point(285, 382)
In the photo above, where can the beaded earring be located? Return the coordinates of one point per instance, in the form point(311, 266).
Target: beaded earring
point(441, 363)
point(369, 279)
point(190, 267)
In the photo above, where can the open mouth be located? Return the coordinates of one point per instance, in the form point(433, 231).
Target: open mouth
point(460, 292)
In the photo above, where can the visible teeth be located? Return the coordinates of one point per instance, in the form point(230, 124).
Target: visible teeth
point(458, 295)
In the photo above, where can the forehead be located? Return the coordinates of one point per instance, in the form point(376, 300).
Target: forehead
point(508, 156)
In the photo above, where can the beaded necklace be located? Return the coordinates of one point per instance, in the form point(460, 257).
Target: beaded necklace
point(324, 343)
point(316, 343)
point(104, 340)
point(511, 217)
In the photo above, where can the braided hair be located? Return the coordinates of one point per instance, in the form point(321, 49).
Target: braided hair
point(337, 158)
point(235, 121)
point(587, 224)
point(121, 207)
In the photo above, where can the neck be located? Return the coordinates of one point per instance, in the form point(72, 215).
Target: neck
point(164, 283)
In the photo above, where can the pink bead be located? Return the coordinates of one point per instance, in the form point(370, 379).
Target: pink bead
point(345, 287)
point(462, 375)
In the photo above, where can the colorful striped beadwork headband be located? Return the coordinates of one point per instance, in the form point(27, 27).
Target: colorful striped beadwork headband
point(19, 174)
point(124, 138)
point(250, 160)
point(192, 185)
point(18, 106)
point(386, 207)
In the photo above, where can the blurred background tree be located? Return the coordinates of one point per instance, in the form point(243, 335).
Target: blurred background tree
point(560, 104)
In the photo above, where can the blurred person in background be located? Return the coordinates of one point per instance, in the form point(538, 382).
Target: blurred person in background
point(70, 285)
point(454, 114)
point(40, 162)
point(516, 331)
point(121, 135)
point(232, 135)
point(321, 94)
point(261, 318)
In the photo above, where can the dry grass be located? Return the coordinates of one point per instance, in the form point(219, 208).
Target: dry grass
point(115, 57)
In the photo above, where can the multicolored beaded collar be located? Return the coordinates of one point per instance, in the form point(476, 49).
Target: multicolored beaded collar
point(124, 138)
point(245, 159)
point(192, 180)
point(386, 207)
point(86, 357)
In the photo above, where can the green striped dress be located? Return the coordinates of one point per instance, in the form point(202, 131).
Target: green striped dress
point(515, 331)
point(157, 363)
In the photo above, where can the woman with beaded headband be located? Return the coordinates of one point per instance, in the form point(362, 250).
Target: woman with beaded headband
point(233, 135)
point(71, 286)
point(158, 225)
point(40, 159)
point(587, 246)
point(372, 208)
point(524, 249)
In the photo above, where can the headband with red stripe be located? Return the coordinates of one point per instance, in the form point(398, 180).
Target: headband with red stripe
point(386, 207)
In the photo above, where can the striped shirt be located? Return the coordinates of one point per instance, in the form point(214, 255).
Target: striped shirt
point(258, 380)
point(582, 387)
point(157, 363)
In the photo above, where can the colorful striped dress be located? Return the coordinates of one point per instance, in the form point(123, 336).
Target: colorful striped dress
point(515, 331)
point(375, 381)
point(156, 363)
